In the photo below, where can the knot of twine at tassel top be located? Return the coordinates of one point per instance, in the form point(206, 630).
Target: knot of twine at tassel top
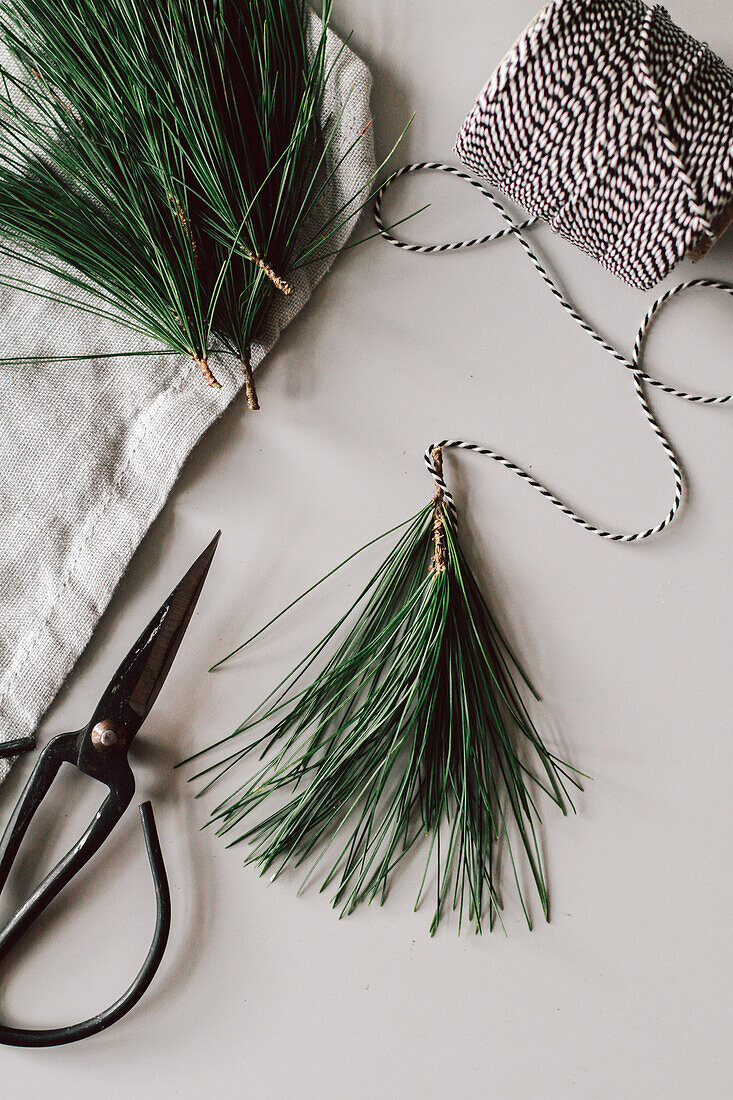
point(613, 125)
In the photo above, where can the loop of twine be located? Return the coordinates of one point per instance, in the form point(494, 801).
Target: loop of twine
point(641, 378)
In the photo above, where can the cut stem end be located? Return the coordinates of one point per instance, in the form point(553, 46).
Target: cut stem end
point(207, 373)
point(249, 384)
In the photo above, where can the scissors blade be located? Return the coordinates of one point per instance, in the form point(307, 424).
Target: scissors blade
point(137, 682)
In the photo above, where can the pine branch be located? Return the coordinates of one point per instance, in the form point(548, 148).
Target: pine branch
point(159, 159)
point(415, 729)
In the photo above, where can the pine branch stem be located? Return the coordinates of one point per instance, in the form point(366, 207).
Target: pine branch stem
point(186, 229)
point(277, 280)
point(249, 383)
point(207, 373)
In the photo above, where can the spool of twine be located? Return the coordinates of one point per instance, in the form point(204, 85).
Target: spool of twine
point(614, 126)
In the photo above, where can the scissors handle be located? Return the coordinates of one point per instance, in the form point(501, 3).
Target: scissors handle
point(26, 1037)
point(65, 749)
point(17, 746)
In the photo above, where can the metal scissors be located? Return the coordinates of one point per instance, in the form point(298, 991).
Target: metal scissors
point(100, 751)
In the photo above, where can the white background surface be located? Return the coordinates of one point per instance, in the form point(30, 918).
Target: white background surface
point(263, 994)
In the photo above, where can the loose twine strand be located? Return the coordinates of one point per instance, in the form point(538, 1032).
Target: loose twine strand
point(641, 378)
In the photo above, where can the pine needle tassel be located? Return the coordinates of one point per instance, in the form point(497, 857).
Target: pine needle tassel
point(415, 728)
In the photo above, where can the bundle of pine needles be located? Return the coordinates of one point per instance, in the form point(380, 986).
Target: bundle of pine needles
point(166, 160)
point(416, 727)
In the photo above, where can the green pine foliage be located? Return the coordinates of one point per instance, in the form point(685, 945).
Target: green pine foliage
point(163, 158)
point(414, 733)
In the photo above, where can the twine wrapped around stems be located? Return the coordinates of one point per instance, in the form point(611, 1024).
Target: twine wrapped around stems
point(438, 562)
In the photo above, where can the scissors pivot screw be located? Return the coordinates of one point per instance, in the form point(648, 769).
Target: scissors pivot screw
point(106, 737)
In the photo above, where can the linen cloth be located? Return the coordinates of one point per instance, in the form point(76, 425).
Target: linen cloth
point(90, 450)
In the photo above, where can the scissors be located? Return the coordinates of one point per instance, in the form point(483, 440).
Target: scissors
point(100, 751)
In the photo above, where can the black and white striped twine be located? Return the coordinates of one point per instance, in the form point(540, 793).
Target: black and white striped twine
point(517, 229)
point(615, 126)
